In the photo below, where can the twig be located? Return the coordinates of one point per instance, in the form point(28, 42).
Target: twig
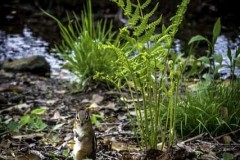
point(28, 136)
point(194, 138)
point(115, 134)
point(233, 132)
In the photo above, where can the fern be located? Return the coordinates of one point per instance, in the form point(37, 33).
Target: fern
point(177, 19)
point(144, 5)
point(142, 55)
point(120, 3)
point(152, 12)
point(145, 37)
point(141, 28)
point(154, 23)
point(128, 9)
point(133, 21)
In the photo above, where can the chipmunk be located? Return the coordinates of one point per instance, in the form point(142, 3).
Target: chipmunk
point(84, 137)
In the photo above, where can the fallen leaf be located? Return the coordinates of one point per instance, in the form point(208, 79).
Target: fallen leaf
point(111, 105)
point(56, 127)
point(96, 98)
point(56, 115)
point(51, 102)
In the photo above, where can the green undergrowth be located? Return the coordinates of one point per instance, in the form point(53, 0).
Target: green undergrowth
point(28, 123)
point(212, 108)
point(81, 39)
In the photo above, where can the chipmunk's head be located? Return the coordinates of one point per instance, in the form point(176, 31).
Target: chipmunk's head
point(82, 118)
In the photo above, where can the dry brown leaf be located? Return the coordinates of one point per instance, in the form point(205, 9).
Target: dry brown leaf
point(97, 98)
point(56, 115)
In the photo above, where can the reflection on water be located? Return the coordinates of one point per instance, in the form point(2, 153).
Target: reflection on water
point(14, 46)
point(221, 47)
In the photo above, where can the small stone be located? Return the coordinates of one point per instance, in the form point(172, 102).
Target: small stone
point(35, 65)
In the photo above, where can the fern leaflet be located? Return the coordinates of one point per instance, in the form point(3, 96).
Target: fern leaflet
point(141, 28)
point(133, 21)
point(144, 5)
point(155, 23)
point(128, 9)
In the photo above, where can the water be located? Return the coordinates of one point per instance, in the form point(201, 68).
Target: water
point(221, 47)
point(15, 46)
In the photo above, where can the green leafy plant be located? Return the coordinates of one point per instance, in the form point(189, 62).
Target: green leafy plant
point(144, 65)
point(29, 122)
point(95, 119)
point(80, 45)
point(234, 61)
point(211, 57)
point(212, 108)
point(33, 121)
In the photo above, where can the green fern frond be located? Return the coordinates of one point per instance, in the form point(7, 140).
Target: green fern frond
point(133, 21)
point(128, 9)
point(141, 28)
point(152, 12)
point(155, 37)
point(145, 38)
point(154, 23)
point(124, 33)
point(120, 3)
point(163, 38)
point(144, 5)
point(177, 19)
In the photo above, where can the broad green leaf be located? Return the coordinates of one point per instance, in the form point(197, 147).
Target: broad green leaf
point(24, 120)
point(229, 54)
point(41, 127)
point(216, 30)
point(39, 111)
point(237, 52)
point(66, 152)
point(204, 59)
point(218, 58)
point(197, 38)
point(217, 69)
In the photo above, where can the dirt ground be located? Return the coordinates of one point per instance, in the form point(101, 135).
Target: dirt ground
point(22, 93)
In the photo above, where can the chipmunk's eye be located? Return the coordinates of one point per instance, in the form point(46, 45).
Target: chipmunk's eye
point(86, 115)
point(77, 116)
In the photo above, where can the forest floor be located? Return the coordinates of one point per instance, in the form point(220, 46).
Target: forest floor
point(22, 93)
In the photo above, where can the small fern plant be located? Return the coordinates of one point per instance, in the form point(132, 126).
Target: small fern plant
point(143, 60)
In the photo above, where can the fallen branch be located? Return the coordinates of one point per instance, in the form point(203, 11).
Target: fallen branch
point(193, 138)
point(233, 132)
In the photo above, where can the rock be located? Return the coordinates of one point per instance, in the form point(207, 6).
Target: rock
point(17, 99)
point(35, 64)
point(3, 101)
